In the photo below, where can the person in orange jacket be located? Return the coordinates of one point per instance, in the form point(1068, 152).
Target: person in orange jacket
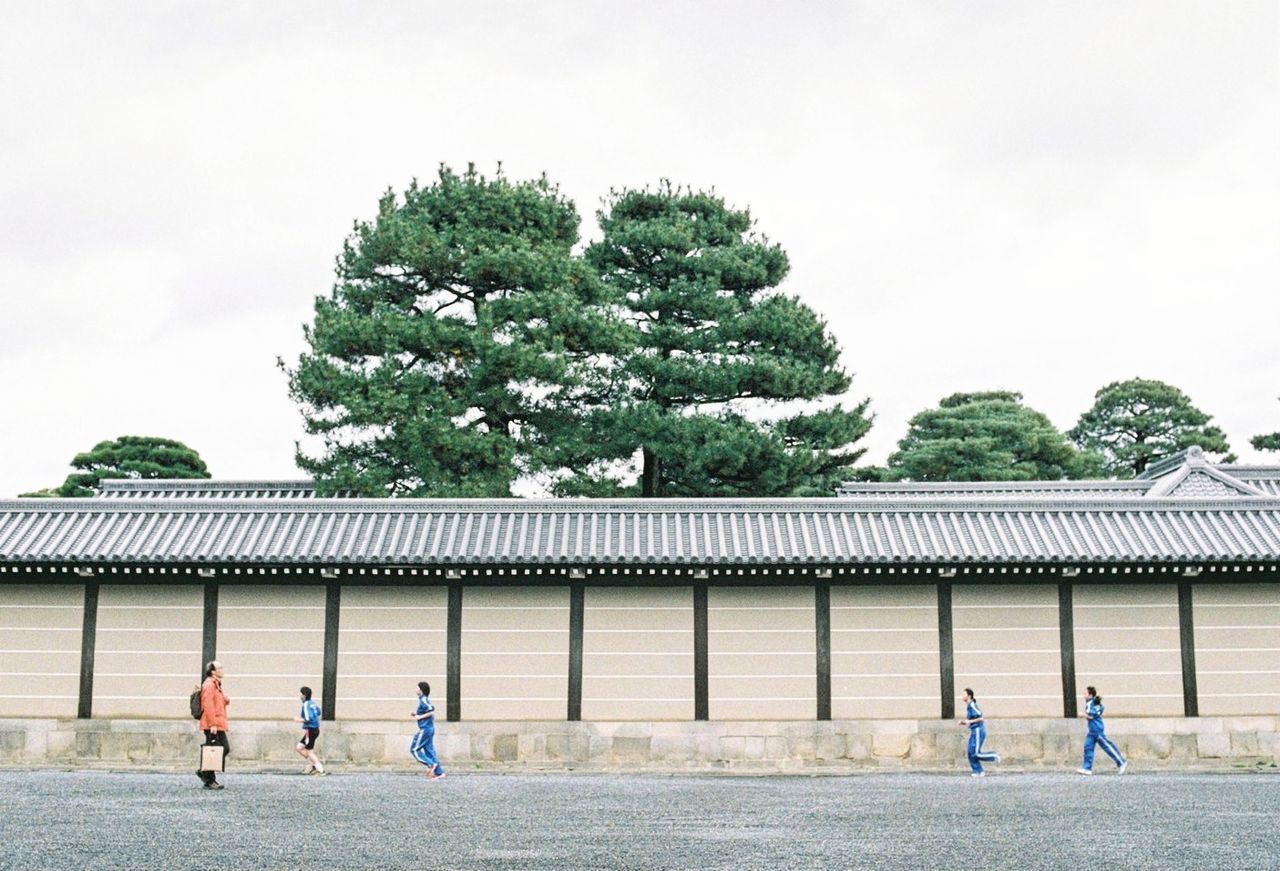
point(213, 717)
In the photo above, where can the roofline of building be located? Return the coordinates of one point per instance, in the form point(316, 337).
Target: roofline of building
point(825, 504)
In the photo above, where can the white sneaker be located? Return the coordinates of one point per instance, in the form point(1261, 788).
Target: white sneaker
point(1083, 771)
point(979, 774)
point(1123, 766)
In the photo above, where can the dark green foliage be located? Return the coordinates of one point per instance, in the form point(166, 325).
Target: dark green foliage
point(1134, 423)
point(716, 356)
point(458, 322)
point(1269, 442)
point(988, 436)
point(129, 457)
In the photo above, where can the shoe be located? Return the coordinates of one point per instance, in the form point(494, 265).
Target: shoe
point(1123, 766)
point(1083, 771)
point(979, 774)
point(310, 769)
point(320, 773)
point(214, 785)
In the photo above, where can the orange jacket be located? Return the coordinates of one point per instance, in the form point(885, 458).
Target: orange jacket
point(213, 705)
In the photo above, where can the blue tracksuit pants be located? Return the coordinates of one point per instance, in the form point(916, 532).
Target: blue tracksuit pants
point(423, 749)
point(1100, 739)
point(977, 756)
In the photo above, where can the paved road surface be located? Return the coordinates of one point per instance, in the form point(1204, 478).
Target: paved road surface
point(90, 820)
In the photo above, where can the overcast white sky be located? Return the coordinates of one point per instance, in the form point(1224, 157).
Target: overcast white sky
point(1040, 196)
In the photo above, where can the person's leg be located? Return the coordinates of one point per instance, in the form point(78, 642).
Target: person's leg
point(1111, 750)
point(983, 754)
point(1090, 741)
point(429, 753)
point(974, 764)
point(416, 747)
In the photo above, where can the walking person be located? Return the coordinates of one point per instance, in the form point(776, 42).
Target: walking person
point(310, 720)
point(977, 734)
point(1097, 735)
point(423, 747)
point(213, 717)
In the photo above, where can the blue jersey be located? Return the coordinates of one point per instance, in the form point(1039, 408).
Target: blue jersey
point(425, 707)
point(973, 712)
point(310, 715)
point(1093, 711)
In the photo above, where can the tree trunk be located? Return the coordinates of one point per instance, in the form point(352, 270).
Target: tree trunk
point(651, 477)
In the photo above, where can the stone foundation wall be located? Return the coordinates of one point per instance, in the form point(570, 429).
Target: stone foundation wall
point(781, 747)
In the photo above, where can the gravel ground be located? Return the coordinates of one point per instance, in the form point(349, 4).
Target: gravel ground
point(90, 820)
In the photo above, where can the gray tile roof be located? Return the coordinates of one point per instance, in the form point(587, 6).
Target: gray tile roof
point(195, 488)
point(533, 532)
point(995, 489)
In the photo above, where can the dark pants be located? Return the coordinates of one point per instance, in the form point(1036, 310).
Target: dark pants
point(218, 737)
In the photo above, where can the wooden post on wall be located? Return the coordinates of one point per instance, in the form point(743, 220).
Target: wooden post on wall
point(946, 652)
point(822, 622)
point(329, 690)
point(209, 644)
point(88, 640)
point(701, 703)
point(577, 599)
point(1187, 635)
point(454, 656)
point(1067, 646)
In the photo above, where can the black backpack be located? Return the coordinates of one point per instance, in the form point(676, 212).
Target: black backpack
point(196, 710)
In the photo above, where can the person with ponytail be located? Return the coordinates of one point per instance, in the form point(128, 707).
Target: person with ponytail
point(423, 747)
point(977, 734)
point(1097, 735)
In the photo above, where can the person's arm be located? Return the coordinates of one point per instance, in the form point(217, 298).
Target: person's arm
point(424, 715)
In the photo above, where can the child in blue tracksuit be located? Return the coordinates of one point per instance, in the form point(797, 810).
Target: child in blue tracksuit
point(309, 717)
point(977, 734)
point(1097, 735)
point(423, 747)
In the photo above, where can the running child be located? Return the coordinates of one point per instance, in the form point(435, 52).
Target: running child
point(310, 720)
point(977, 734)
point(423, 747)
point(1097, 735)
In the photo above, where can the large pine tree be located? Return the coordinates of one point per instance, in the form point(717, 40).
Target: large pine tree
point(716, 396)
point(458, 315)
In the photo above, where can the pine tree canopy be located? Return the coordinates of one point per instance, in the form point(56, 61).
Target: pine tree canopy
point(716, 394)
point(989, 436)
point(1134, 423)
point(1269, 442)
point(458, 322)
point(128, 457)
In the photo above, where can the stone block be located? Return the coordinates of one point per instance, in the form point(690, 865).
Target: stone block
point(1060, 749)
point(362, 749)
point(775, 748)
point(506, 748)
point(1183, 747)
point(924, 747)
point(733, 747)
point(830, 747)
point(481, 747)
point(1244, 743)
point(1213, 745)
point(175, 748)
point(670, 750)
point(1147, 746)
point(13, 744)
point(753, 747)
point(951, 745)
point(892, 744)
point(630, 749)
point(599, 748)
point(1023, 747)
point(857, 746)
point(60, 745)
point(89, 745)
point(532, 747)
point(564, 747)
point(1269, 745)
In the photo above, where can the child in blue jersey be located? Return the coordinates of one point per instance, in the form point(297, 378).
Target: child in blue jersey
point(310, 720)
point(1097, 735)
point(977, 734)
point(423, 747)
